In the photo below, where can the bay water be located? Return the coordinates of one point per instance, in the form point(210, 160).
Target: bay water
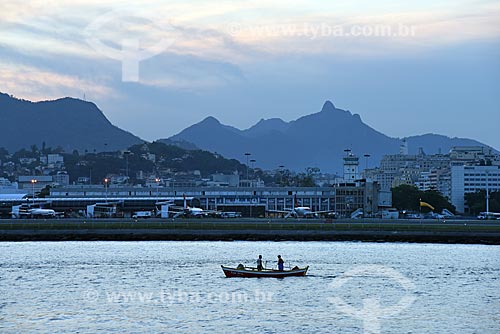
point(179, 287)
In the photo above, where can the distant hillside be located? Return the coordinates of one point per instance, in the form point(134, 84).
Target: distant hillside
point(67, 122)
point(167, 157)
point(433, 143)
point(316, 140)
point(181, 144)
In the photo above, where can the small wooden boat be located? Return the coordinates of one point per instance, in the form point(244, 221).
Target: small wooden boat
point(253, 272)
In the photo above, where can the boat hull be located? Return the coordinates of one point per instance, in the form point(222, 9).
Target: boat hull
point(233, 272)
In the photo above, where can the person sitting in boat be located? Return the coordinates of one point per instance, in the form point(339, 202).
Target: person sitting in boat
point(259, 263)
point(281, 263)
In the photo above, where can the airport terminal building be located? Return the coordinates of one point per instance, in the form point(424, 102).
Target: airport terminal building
point(342, 199)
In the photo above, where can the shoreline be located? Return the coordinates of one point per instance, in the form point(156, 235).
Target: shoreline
point(418, 231)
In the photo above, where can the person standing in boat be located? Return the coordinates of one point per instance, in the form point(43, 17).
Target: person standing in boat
point(259, 263)
point(281, 263)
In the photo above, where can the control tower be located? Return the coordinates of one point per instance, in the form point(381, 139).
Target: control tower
point(351, 167)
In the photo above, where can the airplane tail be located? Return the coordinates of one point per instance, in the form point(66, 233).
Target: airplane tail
point(185, 201)
point(295, 202)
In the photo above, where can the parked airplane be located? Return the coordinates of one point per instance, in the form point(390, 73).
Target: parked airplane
point(42, 213)
point(299, 211)
point(189, 212)
point(24, 211)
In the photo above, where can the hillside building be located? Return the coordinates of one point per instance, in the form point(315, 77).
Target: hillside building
point(428, 172)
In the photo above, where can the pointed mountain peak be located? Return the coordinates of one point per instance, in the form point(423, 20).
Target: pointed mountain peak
point(209, 124)
point(211, 120)
point(328, 106)
point(270, 121)
point(267, 126)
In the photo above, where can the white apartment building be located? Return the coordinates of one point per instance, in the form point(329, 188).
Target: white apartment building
point(469, 179)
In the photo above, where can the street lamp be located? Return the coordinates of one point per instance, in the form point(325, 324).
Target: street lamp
point(487, 195)
point(252, 163)
point(33, 181)
point(106, 187)
point(247, 155)
point(367, 156)
point(157, 180)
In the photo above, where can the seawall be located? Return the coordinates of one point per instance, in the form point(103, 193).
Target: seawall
point(432, 231)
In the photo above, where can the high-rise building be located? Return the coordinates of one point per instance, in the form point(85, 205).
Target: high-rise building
point(469, 179)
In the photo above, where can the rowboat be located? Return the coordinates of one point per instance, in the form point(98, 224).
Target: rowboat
point(253, 272)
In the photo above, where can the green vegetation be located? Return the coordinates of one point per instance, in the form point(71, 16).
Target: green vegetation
point(407, 197)
point(477, 202)
point(174, 157)
point(97, 165)
point(286, 178)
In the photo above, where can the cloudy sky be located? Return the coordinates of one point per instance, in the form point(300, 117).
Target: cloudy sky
point(407, 67)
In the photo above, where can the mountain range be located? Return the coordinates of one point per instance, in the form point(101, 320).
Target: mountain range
point(315, 140)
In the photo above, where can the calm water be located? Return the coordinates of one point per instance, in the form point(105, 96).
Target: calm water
point(178, 287)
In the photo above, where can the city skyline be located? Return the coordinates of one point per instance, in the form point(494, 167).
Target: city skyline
point(410, 69)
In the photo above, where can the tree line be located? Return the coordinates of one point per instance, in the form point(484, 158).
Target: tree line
point(408, 197)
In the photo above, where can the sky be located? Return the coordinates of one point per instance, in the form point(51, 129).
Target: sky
point(157, 67)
